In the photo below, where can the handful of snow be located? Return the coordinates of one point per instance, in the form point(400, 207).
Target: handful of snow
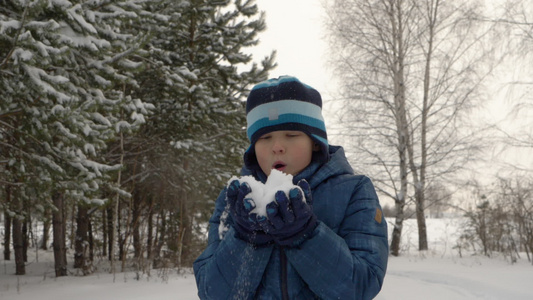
point(263, 194)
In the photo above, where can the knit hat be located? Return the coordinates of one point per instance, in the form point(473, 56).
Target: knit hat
point(285, 103)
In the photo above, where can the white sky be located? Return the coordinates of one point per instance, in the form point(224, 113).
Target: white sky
point(295, 31)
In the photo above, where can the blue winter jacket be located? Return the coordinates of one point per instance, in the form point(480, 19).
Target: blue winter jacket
point(344, 258)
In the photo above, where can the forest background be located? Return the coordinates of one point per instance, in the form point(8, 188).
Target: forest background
point(120, 121)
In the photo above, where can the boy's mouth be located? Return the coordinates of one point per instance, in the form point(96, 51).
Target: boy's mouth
point(279, 165)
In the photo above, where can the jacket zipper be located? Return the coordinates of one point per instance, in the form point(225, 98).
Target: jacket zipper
point(283, 275)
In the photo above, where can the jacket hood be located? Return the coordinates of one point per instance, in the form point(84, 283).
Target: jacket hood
point(316, 172)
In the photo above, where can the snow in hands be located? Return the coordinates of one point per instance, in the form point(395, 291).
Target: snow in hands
point(261, 194)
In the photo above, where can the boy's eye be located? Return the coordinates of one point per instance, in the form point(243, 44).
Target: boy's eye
point(265, 137)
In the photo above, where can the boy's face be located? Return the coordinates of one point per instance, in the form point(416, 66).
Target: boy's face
point(287, 151)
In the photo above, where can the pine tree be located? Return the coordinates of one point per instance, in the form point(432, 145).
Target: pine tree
point(78, 77)
point(196, 77)
point(63, 67)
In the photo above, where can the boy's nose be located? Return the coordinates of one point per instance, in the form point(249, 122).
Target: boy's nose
point(278, 147)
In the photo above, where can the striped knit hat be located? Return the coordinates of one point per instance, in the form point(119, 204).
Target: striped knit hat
point(285, 103)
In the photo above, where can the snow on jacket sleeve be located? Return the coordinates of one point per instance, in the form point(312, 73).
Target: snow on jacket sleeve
point(350, 260)
point(228, 267)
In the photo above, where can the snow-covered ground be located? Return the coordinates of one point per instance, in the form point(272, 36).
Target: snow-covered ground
point(437, 274)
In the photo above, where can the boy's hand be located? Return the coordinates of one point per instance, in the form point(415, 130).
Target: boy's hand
point(290, 220)
point(244, 222)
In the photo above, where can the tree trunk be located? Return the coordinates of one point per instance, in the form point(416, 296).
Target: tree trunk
point(419, 175)
point(110, 232)
point(60, 249)
point(120, 237)
point(91, 241)
point(72, 224)
point(18, 237)
point(115, 220)
point(419, 186)
point(25, 240)
point(7, 226)
point(127, 233)
point(7, 236)
point(104, 232)
point(18, 246)
point(397, 230)
point(421, 220)
point(46, 230)
point(150, 229)
point(185, 232)
point(137, 245)
point(136, 216)
point(160, 236)
point(402, 131)
point(82, 241)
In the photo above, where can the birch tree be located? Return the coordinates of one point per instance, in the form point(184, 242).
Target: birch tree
point(517, 21)
point(409, 72)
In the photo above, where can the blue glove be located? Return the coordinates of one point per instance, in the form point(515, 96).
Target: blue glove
point(245, 223)
point(291, 220)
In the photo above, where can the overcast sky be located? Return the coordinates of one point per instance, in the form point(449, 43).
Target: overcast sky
point(295, 29)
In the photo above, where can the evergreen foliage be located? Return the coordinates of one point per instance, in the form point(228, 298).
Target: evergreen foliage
point(150, 90)
point(61, 94)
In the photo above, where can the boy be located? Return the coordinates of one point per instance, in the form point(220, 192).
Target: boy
point(325, 239)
